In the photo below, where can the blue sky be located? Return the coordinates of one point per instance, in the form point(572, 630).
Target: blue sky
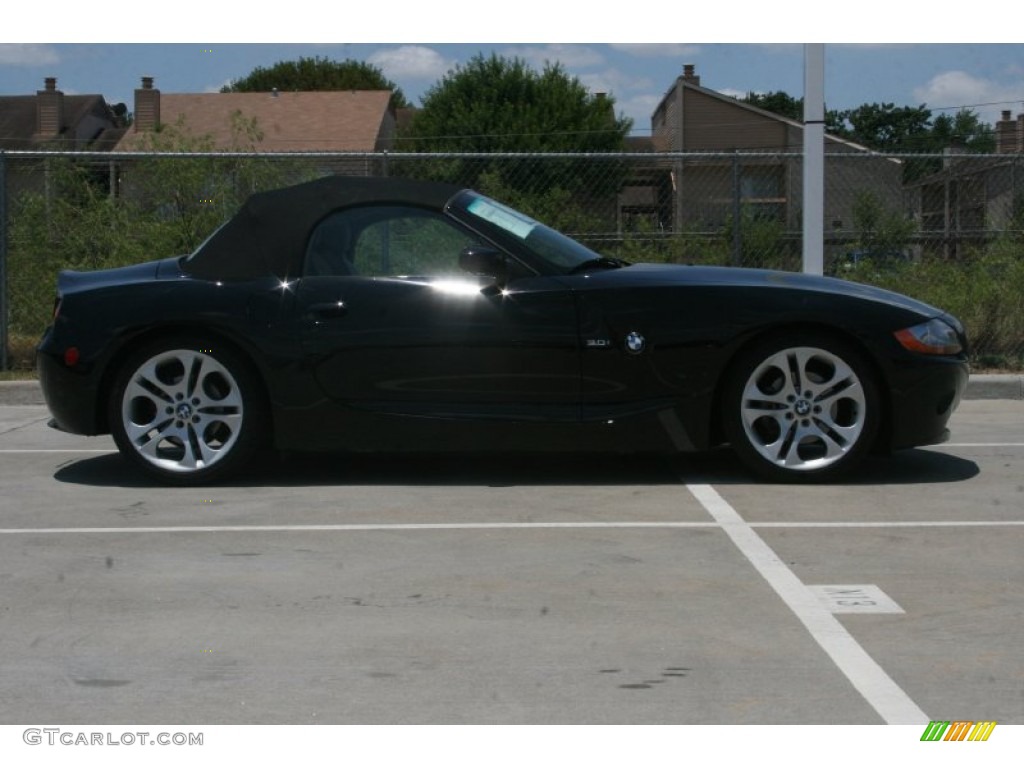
point(415, 49)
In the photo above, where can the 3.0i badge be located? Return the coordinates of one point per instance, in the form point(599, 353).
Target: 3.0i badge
point(635, 342)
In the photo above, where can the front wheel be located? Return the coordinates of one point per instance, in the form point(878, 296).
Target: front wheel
point(184, 413)
point(801, 408)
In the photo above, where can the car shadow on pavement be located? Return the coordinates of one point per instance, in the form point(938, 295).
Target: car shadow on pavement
point(910, 467)
point(717, 467)
point(330, 469)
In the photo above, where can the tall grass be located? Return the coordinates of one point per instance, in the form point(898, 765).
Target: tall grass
point(178, 202)
point(985, 292)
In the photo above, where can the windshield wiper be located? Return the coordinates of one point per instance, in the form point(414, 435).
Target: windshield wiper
point(601, 262)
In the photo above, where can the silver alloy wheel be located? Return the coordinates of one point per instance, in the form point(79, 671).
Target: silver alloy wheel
point(803, 409)
point(182, 410)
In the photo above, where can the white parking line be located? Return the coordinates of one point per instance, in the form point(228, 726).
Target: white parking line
point(58, 450)
point(880, 691)
point(898, 524)
point(384, 527)
point(357, 527)
point(978, 445)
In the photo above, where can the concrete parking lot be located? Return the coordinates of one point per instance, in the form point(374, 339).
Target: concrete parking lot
point(513, 590)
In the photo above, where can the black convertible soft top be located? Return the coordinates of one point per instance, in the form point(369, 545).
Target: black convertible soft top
point(269, 233)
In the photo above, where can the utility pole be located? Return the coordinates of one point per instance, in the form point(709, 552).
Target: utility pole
point(814, 159)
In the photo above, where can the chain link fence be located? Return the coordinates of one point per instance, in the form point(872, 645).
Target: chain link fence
point(948, 229)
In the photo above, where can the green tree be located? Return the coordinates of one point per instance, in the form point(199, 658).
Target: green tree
point(777, 102)
point(496, 104)
point(781, 103)
point(891, 129)
point(965, 130)
point(318, 74)
point(888, 128)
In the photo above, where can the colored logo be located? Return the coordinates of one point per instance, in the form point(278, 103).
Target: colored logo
point(958, 730)
point(635, 343)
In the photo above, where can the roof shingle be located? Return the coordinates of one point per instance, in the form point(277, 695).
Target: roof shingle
point(322, 121)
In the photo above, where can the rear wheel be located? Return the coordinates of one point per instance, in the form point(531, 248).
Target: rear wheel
point(185, 413)
point(801, 408)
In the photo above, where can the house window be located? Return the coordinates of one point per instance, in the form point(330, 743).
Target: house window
point(761, 192)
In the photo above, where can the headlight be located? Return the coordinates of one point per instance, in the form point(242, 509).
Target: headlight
point(931, 338)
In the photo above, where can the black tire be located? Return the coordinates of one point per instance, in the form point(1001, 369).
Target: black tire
point(187, 413)
point(801, 407)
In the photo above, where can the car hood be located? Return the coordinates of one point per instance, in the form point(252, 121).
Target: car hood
point(663, 275)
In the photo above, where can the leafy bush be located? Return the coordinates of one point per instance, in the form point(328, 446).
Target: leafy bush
point(166, 206)
point(985, 291)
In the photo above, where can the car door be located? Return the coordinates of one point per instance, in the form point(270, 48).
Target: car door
point(391, 324)
point(654, 345)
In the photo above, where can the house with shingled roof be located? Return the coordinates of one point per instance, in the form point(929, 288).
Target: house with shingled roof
point(53, 120)
point(270, 122)
point(752, 163)
point(973, 199)
point(305, 121)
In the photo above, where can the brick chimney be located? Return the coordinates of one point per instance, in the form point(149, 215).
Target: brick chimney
point(1006, 134)
point(689, 76)
point(147, 106)
point(49, 110)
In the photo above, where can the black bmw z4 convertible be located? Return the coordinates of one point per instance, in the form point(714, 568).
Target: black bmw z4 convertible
point(366, 314)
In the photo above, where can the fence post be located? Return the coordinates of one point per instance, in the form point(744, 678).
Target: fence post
point(4, 312)
point(737, 213)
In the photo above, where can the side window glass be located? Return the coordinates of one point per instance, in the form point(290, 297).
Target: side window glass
point(410, 244)
point(329, 253)
point(386, 241)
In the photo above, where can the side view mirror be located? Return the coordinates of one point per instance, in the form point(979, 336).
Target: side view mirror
point(484, 261)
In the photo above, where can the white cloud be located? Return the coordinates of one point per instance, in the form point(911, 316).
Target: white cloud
point(27, 55)
point(955, 89)
point(569, 56)
point(615, 81)
point(216, 88)
point(657, 50)
point(415, 62)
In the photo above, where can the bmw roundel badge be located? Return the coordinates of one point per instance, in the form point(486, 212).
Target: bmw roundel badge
point(635, 342)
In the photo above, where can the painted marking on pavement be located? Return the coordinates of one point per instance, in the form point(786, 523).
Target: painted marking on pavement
point(977, 445)
point(897, 524)
point(383, 527)
point(854, 598)
point(880, 691)
point(359, 527)
point(58, 450)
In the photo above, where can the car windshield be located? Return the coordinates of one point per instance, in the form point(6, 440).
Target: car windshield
point(510, 227)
